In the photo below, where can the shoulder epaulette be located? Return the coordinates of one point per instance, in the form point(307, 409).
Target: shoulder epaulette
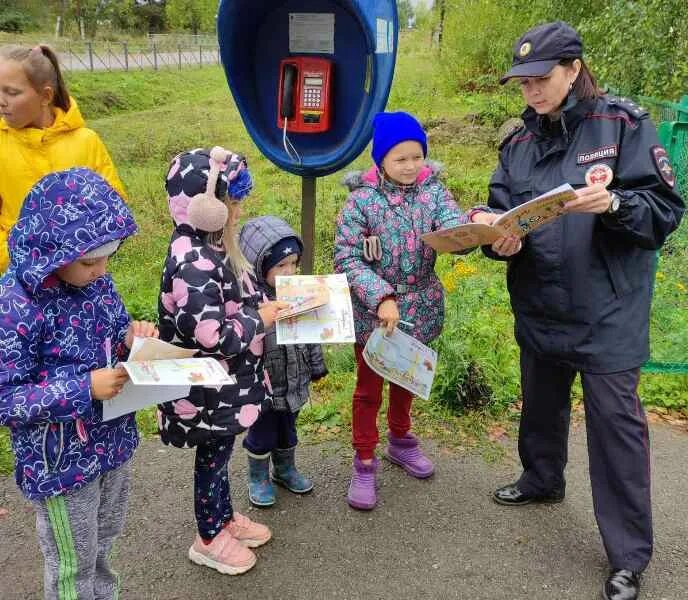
point(628, 106)
point(514, 133)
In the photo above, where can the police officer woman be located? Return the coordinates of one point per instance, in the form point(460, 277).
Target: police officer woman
point(581, 287)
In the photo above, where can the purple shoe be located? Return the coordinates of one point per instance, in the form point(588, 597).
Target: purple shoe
point(362, 487)
point(406, 453)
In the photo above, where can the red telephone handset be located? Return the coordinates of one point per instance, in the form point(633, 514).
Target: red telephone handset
point(304, 98)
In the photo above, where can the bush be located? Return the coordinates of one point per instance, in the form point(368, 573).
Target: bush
point(645, 56)
point(15, 21)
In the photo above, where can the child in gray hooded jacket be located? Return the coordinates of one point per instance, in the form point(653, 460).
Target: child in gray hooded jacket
point(274, 248)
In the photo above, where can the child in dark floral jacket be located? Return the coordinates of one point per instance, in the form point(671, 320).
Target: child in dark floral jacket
point(209, 302)
point(273, 248)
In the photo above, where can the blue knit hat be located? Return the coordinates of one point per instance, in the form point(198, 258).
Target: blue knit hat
point(390, 129)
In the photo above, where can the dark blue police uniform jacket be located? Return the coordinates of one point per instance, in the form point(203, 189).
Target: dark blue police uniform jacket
point(581, 286)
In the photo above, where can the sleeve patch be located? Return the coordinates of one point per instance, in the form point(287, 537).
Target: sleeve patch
point(660, 158)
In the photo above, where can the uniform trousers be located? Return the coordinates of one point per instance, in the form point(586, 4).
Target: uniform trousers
point(618, 450)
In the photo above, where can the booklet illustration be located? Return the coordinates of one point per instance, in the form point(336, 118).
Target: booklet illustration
point(330, 323)
point(303, 292)
point(519, 221)
point(160, 372)
point(402, 359)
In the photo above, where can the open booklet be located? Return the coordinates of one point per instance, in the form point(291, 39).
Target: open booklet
point(402, 359)
point(518, 221)
point(160, 372)
point(303, 292)
point(328, 323)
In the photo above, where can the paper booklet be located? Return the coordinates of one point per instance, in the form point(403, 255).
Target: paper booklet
point(304, 294)
point(402, 359)
point(160, 372)
point(519, 221)
point(329, 323)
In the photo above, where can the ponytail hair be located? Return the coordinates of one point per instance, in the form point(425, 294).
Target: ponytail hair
point(585, 87)
point(42, 68)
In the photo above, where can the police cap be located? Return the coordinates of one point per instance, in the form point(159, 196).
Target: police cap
point(540, 49)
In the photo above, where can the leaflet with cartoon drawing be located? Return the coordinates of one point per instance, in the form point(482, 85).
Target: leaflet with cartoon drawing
point(330, 323)
point(303, 292)
point(160, 372)
point(519, 221)
point(402, 359)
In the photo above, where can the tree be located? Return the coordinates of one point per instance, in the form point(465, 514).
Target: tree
point(145, 16)
point(16, 16)
point(405, 11)
point(194, 15)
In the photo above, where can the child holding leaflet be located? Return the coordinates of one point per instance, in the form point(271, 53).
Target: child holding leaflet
point(273, 248)
point(209, 302)
point(64, 327)
point(391, 273)
point(41, 131)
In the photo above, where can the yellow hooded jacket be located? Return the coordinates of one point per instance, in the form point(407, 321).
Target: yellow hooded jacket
point(28, 154)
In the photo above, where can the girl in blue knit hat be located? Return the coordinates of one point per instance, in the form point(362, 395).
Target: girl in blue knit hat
point(391, 274)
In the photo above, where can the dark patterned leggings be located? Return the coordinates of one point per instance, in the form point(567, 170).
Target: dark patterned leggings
point(212, 501)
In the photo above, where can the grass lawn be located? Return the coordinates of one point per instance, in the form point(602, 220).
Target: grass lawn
point(145, 118)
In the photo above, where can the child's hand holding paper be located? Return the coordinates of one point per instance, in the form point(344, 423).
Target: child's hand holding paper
point(141, 329)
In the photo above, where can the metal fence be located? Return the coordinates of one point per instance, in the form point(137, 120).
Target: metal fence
point(126, 56)
point(673, 134)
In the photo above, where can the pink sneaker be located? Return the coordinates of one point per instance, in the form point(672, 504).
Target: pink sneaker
point(249, 533)
point(224, 554)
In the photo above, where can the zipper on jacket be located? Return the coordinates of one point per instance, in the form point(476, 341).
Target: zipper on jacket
point(46, 461)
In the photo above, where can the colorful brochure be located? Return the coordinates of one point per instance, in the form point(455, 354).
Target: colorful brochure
point(330, 323)
point(306, 293)
point(402, 359)
point(519, 221)
point(160, 372)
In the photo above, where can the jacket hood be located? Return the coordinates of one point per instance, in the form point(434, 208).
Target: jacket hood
point(65, 215)
point(371, 178)
point(258, 235)
point(64, 121)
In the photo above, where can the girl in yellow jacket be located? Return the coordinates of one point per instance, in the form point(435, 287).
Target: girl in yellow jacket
point(41, 131)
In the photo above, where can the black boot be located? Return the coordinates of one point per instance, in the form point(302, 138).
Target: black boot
point(621, 584)
point(510, 495)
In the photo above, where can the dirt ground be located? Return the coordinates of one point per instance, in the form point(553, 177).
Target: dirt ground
point(435, 539)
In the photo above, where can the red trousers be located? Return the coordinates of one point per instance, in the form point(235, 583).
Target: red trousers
point(367, 400)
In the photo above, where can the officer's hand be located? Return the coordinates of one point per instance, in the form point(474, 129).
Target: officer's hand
point(483, 217)
point(507, 246)
point(591, 199)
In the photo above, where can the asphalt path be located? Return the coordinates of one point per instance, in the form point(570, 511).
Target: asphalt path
point(435, 539)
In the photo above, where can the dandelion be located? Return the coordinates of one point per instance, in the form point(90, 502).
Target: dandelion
point(449, 281)
point(681, 287)
point(463, 269)
point(660, 276)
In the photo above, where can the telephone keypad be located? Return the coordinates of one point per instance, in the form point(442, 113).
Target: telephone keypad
point(312, 97)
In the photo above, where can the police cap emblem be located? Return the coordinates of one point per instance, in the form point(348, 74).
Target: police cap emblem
point(525, 49)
